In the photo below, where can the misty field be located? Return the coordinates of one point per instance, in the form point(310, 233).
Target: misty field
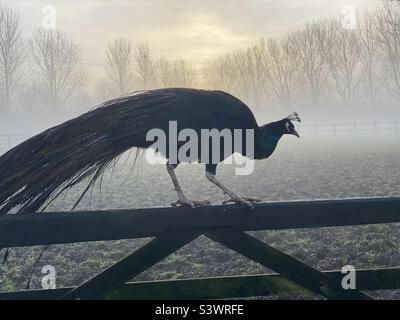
point(314, 167)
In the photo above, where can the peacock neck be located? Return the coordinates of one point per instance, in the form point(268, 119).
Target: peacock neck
point(267, 141)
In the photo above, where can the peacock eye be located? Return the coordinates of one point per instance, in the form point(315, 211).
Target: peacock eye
point(287, 125)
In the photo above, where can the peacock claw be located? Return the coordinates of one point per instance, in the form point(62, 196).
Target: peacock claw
point(247, 201)
point(190, 203)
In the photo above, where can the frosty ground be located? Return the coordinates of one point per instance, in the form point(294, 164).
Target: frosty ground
point(314, 167)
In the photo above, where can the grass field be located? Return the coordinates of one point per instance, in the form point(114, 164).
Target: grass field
point(314, 167)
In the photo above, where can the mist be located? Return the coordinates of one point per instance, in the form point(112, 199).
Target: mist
point(335, 63)
point(317, 66)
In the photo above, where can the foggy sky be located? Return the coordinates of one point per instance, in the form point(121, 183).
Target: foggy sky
point(190, 29)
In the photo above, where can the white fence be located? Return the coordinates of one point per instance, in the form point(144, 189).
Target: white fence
point(349, 128)
point(8, 141)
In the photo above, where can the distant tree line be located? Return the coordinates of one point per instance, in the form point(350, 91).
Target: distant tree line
point(129, 68)
point(322, 62)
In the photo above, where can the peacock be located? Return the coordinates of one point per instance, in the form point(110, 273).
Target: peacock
point(38, 170)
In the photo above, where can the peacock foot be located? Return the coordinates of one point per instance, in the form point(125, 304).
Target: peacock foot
point(190, 203)
point(247, 201)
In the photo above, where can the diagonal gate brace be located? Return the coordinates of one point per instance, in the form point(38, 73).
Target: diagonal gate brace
point(287, 266)
point(115, 276)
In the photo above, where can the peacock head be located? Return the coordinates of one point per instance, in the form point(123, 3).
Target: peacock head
point(275, 130)
point(286, 125)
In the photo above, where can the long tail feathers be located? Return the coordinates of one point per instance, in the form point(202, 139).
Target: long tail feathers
point(41, 168)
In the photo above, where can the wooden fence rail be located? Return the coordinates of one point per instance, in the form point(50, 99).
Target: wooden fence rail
point(69, 227)
point(173, 228)
point(260, 285)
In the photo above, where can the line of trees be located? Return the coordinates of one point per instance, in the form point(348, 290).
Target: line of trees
point(11, 55)
point(320, 63)
point(44, 72)
point(131, 68)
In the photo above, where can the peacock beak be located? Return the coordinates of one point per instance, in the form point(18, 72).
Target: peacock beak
point(295, 133)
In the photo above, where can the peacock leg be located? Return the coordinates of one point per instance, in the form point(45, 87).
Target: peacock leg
point(247, 201)
point(182, 200)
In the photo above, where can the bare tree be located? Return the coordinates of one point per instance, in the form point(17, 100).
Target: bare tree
point(240, 72)
point(177, 73)
point(370, 56)
point(282, 69)
point(221, 74)
point(104, 90)
point(249, 70)
point(57, 60)
point(388, 25)
point(164, 72)
point(11, 54)
point(183, 74)
point(119, 65)
point(227, 73)
point(145, 66)
point(257, 63)
point(342, 50)
point(312, 61)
